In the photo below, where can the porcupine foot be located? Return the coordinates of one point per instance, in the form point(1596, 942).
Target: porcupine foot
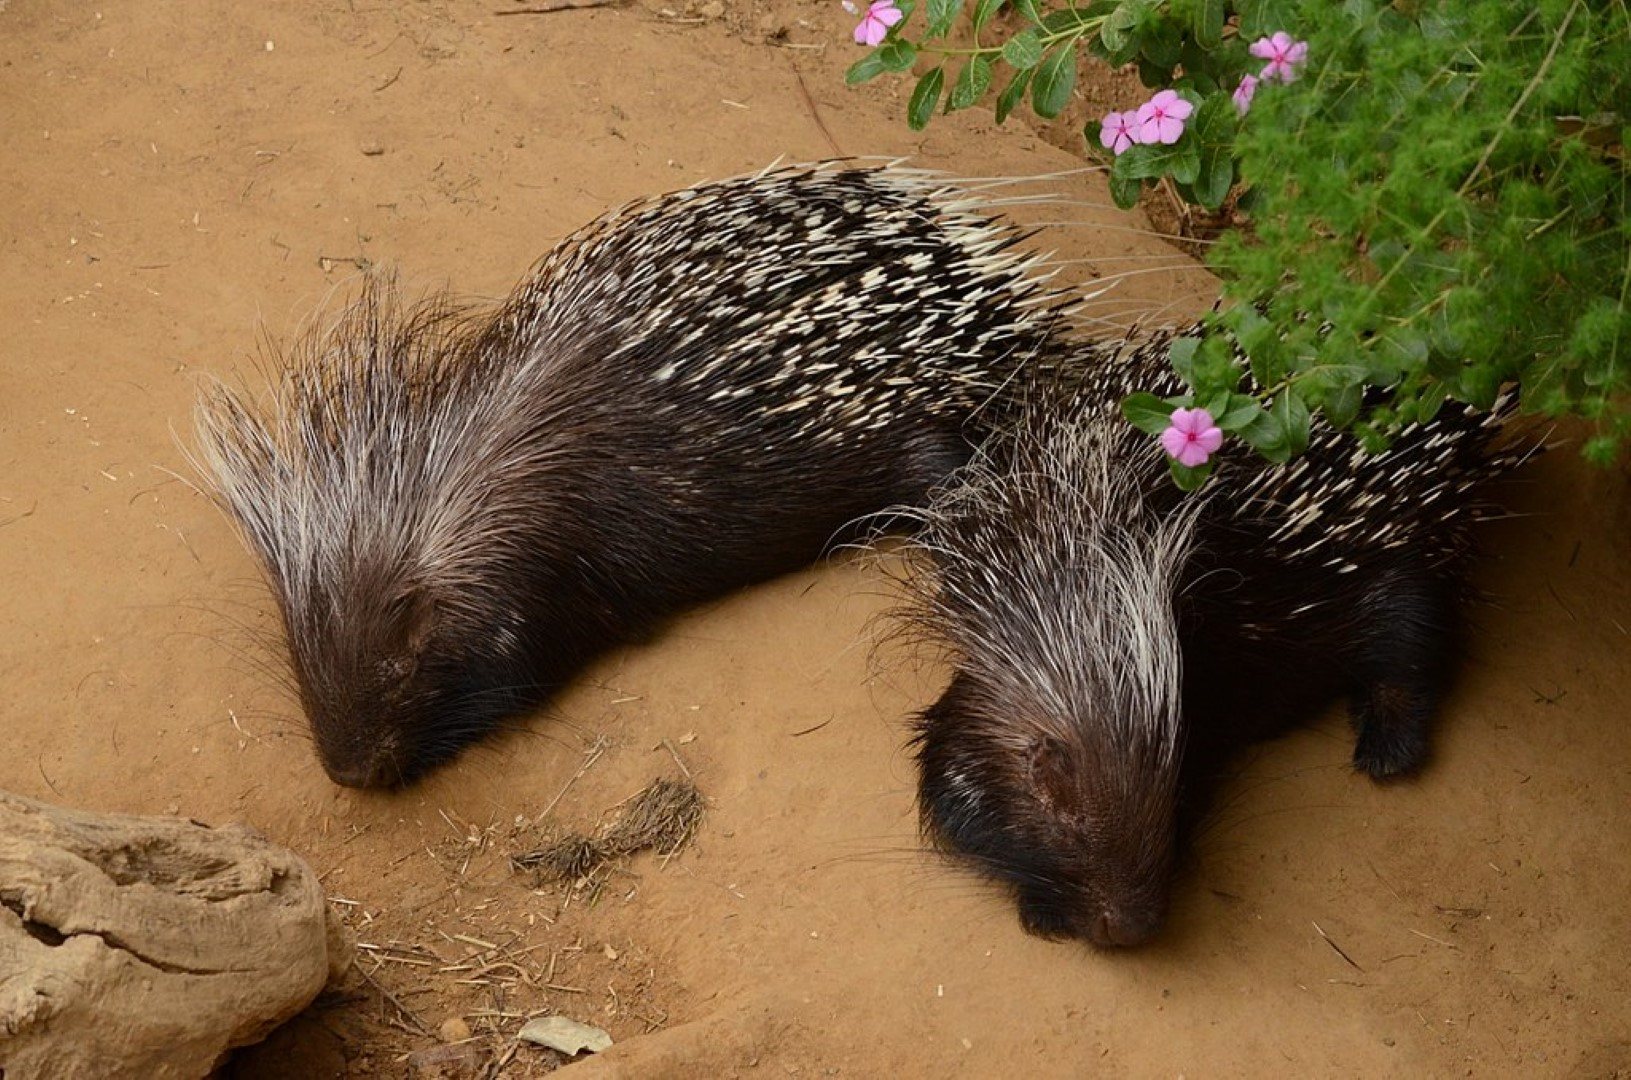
point(1392, 723)
point(1402, 663)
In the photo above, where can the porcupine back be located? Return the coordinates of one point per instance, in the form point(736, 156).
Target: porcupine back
point(456, 508)
point(1112, 640)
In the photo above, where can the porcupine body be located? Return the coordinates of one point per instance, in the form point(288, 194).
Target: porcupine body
point(457, 509)
point(1112, 639)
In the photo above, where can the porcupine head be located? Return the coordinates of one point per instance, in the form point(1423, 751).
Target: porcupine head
point(1051, 763)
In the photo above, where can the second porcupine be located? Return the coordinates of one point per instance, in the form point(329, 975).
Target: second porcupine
point(1112, 639)
point(457, 509)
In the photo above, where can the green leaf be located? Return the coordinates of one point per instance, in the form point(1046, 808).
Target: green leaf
point(1160, 40)
point(1206, 23)
point(1215, 120)
point(1181, 160)
point(1125, 190)
point(1239, 411)
point(1292, 416)
point(1259, 18)
point(1147, 413)
point(1029, 9)
point(941, 14)
point(1181, 355)
point(972, 83)
point(1187, 478)
point(1185, 165)
point(1217, 176)
point(1055, 78)
point(1328, 377)
point(897, 55)
point(1067, 20)
point(983, 10)
point(1013, 94)
point(1396, 351)
point(924, 99)
point(1342, 406)
point(1024, 50)
point(1267, 436)
point(867, 67)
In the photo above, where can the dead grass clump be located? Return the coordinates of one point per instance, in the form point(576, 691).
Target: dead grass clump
point(662, 818)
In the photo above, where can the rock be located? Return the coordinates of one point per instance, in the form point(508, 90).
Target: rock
point(564, 1034)
point(453, 1030)
point(450, 1062)
point(713, 9)
point(147, 947)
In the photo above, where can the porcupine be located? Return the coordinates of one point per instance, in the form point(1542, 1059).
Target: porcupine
point(457, 509)
point(1112, 640)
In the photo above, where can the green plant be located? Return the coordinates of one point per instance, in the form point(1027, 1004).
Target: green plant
point(1436, 206)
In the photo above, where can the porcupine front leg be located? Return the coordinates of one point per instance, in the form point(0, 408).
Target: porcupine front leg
point(1401, 664)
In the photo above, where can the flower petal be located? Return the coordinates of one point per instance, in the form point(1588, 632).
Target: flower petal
point(1192, 455)
point(1262, 49)
point(889, 15)
point(1209, 440)
point(1243, 93)
point(1174, 442)
point(1179, 109)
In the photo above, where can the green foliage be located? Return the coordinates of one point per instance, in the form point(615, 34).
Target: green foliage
point(1438, 204)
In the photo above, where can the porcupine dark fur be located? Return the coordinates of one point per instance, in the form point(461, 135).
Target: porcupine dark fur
point(457, 509)
point(1113, 640)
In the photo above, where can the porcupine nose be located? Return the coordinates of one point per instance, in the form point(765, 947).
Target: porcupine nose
point(372, 770)
point(1114, 928)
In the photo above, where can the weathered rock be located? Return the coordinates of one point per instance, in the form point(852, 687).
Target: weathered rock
point(146, 947)
point(564, 1034)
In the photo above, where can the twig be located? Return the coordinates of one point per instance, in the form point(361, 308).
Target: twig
point(815, 114)
point(406, 1012)
point(812, 730)
point(39, 763)
point(1434, 940)
point(1338, 949)
point(598, 749)
point(557, 5)
point(677, 761)
point(26, 513)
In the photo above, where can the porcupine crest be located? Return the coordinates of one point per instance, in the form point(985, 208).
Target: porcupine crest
point(456, 509)
point(1071, 583)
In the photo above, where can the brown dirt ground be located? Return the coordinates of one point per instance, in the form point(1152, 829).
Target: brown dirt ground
point(177, 177)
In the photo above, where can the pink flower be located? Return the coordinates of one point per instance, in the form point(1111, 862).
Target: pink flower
point(1243, 93)
point(875, 24)
point(1161, 119)
point(1283, 56)
point(1118, 132)
point(1192, 438)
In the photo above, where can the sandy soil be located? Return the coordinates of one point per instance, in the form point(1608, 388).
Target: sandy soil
point(179, 177)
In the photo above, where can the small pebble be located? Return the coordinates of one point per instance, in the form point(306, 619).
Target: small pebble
point(453, 1030)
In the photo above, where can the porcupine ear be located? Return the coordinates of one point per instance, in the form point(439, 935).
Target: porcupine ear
point(412, 617)
point(1050, 775)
